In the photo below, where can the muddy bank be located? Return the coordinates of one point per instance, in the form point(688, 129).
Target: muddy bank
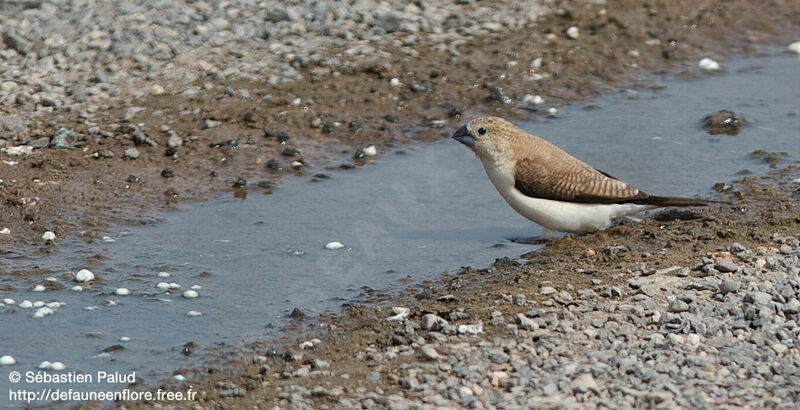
point(134, 144)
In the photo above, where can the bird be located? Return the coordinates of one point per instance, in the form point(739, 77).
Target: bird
point(551, 187)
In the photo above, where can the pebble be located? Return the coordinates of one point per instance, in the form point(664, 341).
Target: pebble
point(5, 231)
point(9, 301)
point(726, 265)
point(394, 82)
point(84, 275)
point(795, 47)
point(163, 274)
point(38, 288)
point(400, 313)
point(48, 236)
point(194, 313)
point(370, 151)
point(189, 294)
point(573, 32)
point(57, 366)
point(124, 339)
point(708, 64)
point(25, 304)
point(728, 286)
point(334, 245)
point(429, 352)
point(7, 361)
point(131, 153)
point(122, 292)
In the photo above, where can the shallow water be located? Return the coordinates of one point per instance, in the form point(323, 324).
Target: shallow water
point(414, 215)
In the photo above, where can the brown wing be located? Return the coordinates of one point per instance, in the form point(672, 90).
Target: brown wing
point(567, 179)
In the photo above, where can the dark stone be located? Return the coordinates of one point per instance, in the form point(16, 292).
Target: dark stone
point(390, 118)
point(297, 314)
point(167, 173)
point(274, 164)
point(240, 183)
point(497, 94)
point(723, 122)
point(290, 152)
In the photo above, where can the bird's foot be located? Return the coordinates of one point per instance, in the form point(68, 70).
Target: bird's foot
point(533, 240)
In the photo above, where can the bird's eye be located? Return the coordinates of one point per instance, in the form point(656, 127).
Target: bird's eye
point(481, 130)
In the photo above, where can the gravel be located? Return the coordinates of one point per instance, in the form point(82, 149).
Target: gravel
point(730, 337)
point(56, 56)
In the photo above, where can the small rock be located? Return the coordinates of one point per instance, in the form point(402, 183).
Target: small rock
point(131, 153)
point(122, 292)
point(429, 352)
point(84, 275)
point(724, 122)
point(708, 64)
point(370, 151)
point(48, 236)
point(190, 294)
point(194, 313)
point(729, 286)
point(167, 173)
point(584, 383)
point(334, 245)
point(572, 32)
point(297, 314)
point(677, 306)
point(7, 361)
point(547, 290)
point(795, 47)
point(726, 265)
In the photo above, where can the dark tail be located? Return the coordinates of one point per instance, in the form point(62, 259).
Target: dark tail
point(663, 201)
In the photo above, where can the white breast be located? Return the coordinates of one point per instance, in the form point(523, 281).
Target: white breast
point(558, 215)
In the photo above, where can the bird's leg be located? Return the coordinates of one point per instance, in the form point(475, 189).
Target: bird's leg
point(541, 239)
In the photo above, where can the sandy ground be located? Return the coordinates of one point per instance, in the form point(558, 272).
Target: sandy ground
point(620, 44)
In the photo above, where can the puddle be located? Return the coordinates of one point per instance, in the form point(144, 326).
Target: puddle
point(414, 215)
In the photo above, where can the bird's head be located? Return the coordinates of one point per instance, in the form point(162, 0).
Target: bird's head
point(488, 137)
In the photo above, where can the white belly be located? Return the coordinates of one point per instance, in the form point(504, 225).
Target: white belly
point(557, 215)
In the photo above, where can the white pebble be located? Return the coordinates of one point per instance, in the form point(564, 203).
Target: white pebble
point(156, 89)
point(552, 111)
point(77, 288)
point(84, 275)
point(306, 345)
point(708, 64)
point(38, 304)
point(122, 292)
point(57, 366)
point(394, 82)
point(38, 288)
point(44, 365)
point(532, 99)
point(9, 301)
point(179, 377)
point(51, 279)
point(794, 47)
point(573, 33)
point(189, 294)
point(5, 231)
point(197, 287)
point(124, 339)
point(42, 312)
point(334, 245)
point(400, 313)
point(163, 285)
point(163, 274)
point(297, 165)
point(48, 236)
point(173, 285)
point(370, 151)
point(7, 361)
point(108, 239)
point(54, 305)
point(296, 101)
point(25, 304)
point(194, 313)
